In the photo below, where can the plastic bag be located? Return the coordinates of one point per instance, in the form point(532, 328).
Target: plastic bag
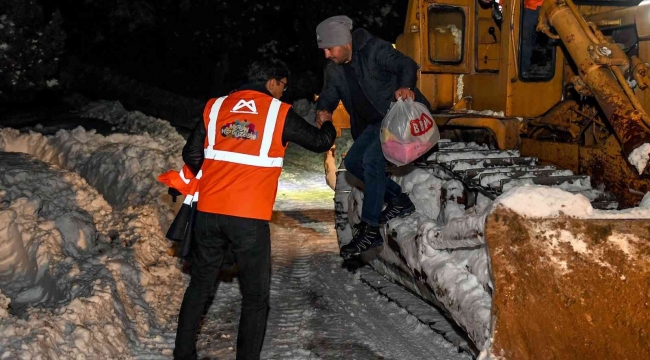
point(407, 132)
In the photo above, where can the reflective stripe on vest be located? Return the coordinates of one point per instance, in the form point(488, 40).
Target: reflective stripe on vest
point(186, 180)
point(190, 198)
point(261, 160)
point(212, 125)
point(182, 174)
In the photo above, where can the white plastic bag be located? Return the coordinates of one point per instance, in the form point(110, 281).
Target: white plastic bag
point(407, 132)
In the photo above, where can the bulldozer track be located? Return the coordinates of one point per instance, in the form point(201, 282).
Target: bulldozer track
point(482, 170)
point(493, 172)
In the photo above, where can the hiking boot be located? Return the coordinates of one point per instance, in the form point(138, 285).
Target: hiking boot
point(398, 207)
point(367, 237)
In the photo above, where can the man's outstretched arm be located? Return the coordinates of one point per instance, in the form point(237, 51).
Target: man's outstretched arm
point(193, 150)
point(299, 131)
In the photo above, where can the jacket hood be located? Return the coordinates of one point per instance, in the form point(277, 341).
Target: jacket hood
point(360, 38)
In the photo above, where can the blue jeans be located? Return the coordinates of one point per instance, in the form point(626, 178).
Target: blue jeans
point(528, 38)
point(250, 240)
point(365, 160)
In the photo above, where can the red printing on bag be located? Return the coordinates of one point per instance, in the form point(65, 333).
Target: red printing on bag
point(422, 125)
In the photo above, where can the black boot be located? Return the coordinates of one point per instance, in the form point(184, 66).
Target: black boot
point(366, 238)
point(398, 207)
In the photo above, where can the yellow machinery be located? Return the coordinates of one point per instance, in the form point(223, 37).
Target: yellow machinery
point(577, 111)
point(583, 106)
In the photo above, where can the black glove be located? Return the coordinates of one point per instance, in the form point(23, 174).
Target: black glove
point(174, 193)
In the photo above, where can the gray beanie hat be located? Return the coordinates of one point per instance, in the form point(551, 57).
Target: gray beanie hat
point(334, 31)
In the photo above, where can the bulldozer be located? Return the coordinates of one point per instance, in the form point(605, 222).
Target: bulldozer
point(533, 120)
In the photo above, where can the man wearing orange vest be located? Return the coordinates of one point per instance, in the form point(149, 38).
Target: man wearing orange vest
point(237, 153)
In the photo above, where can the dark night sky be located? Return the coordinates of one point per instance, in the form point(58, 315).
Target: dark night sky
point(194, 48)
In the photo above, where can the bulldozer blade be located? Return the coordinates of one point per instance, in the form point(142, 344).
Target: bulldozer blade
point(569, 288)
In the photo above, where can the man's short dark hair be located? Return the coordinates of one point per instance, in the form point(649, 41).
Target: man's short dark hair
point(262, 71)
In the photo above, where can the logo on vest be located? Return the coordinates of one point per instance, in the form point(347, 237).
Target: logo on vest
point(248, 107)
point(239, 130)
point(422, 125)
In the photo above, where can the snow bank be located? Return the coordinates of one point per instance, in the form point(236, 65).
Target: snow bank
point(49, 218)
point(4, 305)
point(544, 202)
point(124, 168)
point(83, 257)
point(549, 202)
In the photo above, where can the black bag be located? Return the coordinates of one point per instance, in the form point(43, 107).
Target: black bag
point(182, 228)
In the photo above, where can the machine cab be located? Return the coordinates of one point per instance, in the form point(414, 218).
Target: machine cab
point(470, 55)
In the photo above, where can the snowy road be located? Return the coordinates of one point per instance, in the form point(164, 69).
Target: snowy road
point(318, 309)
point(86, 209)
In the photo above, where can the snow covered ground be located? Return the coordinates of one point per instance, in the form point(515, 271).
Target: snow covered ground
point(86, 273)
point(83, 256)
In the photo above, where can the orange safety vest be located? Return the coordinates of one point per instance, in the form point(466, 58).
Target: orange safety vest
point(183, 181)
point(243, 154)
point(182, 226)
point(533, 4)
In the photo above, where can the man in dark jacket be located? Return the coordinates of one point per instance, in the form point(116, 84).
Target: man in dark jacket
point(366, 74)
point(253, 181)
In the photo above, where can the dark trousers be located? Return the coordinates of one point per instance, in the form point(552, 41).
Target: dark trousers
point(250, 240)
point(365, 160)
point(528, 38)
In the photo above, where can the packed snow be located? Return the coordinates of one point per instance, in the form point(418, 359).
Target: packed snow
point(84, 259)
point(448, 156)
point(549, 202)
point(639, 157)
point(553, 202)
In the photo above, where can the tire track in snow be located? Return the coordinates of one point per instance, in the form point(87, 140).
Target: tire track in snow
point(291, 275)
point(218, 334)
point(382, 326)
point(321, 311)
point(318, 309)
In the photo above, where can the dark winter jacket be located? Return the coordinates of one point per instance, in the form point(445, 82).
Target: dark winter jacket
point(381, 70)
point(296, 130)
